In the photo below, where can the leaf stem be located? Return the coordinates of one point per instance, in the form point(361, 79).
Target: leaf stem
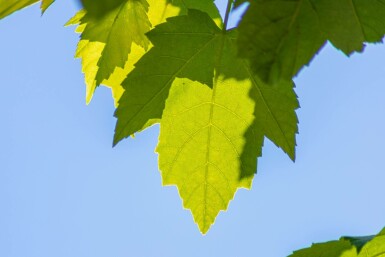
point(228, 11)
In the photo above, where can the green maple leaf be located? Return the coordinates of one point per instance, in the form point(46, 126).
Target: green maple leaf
point(367, 246)
point(98, 9)
point(375, 247)
point(358, 242)
point(117, 30)
point(330, 249)
point(91, 51)
point(202, 144)
point(147, 86)
point(8, 7)
point(215, 114)
point(279, 37)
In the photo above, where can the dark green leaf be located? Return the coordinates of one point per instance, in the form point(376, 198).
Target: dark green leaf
point(98, 8)
point(279, 37)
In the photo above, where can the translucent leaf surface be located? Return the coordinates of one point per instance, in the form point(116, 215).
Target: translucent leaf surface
point(182, 48)
point(8, 7)
point(202, 140)
point(98, 9)
point(90, 51)
point(117, 30)
point(214, 117)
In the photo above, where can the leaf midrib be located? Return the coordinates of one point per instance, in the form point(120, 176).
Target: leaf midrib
point(255, 85)
point(98, 80)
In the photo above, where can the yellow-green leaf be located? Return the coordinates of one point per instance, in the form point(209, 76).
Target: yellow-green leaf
point(182, 48)
point(375, 247)
point(117, 30)
point(90, 52)
point(202, 141)
point(213, 112)
point(45, 4)
point(8, 7)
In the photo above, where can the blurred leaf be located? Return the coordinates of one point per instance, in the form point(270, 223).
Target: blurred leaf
point(45, 4)
point(279, 37)
point(8, 7)
point(98, 8)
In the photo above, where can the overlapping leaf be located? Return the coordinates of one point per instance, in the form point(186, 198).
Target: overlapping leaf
point(118, 30)
point(213, 112)
point(182, 49)
point(238, 3)
point(281, 36)
point(8, 7)
point(97, 9)
point(214, 108)
point(91, 51)
point(368, 246)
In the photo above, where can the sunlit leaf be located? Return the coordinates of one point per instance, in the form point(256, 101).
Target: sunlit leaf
point(90, 51)
point(216, 108)
point(8, 7)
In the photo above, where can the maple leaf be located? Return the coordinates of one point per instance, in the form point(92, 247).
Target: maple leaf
point(101, 37)
point(367, 246)
point(201, 144)
point(100, 8)
point(279, 37)
point(117, 30)
point(209, 104)
point(374, 247)
point(8, 7)
point(181, 49)
point(90, 51)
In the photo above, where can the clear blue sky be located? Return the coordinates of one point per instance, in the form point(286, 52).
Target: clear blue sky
point(65, 192)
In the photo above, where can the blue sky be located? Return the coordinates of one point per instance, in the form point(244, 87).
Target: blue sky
point(64, 191)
